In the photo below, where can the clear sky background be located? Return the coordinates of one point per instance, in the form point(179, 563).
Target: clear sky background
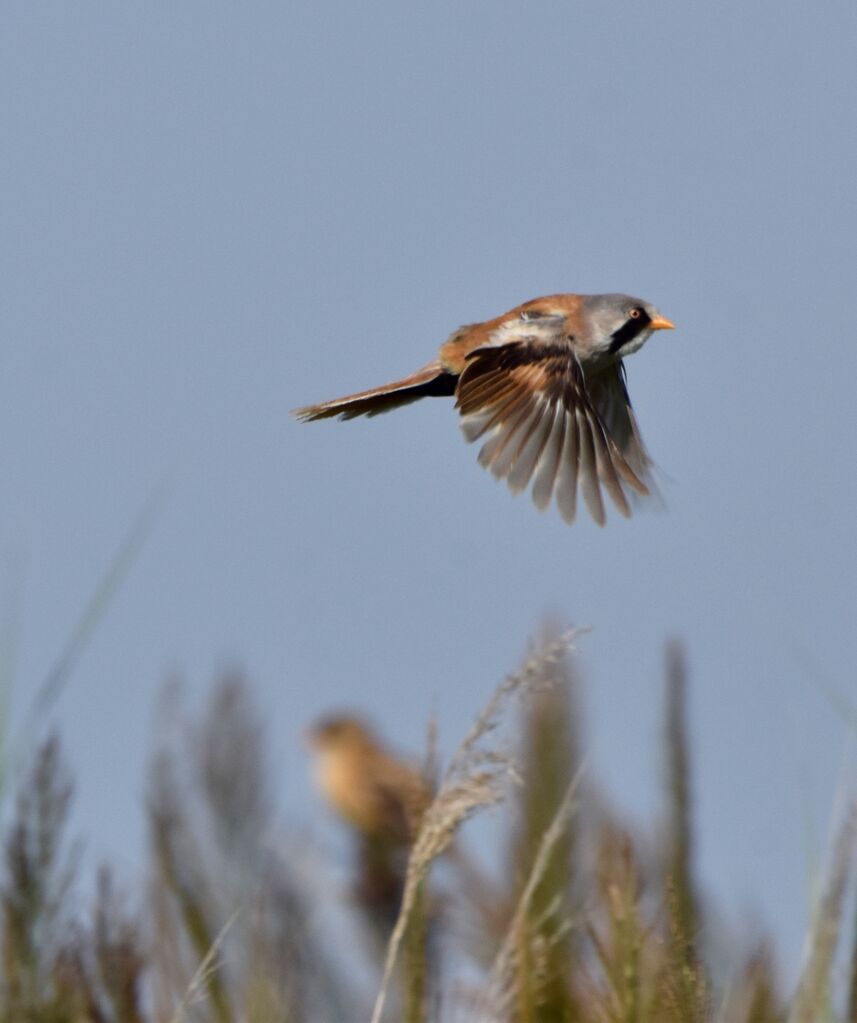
point(213, 212)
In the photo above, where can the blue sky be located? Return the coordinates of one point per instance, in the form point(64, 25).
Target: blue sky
point(213, 213)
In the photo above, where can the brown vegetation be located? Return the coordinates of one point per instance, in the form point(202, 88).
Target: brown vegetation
point(581, 920)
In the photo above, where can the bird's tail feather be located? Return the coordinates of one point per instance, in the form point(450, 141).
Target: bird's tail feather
point(430, 381)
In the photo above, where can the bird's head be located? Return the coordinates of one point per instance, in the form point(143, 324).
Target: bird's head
point(618, 325)
point(339, 732)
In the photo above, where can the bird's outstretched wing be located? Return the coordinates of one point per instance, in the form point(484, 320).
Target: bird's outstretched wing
point(530, 400)
point(609, 395)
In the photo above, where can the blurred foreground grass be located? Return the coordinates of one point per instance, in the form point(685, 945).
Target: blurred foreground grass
point(578, 918)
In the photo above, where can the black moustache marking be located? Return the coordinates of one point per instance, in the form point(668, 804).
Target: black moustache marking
point(629, 330)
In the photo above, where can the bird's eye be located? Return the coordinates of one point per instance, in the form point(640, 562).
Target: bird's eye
point(635, 314)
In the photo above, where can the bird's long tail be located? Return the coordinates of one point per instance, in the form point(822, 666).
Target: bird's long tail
point(430, 381)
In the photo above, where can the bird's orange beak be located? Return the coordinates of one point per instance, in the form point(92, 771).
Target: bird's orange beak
point(661, 323)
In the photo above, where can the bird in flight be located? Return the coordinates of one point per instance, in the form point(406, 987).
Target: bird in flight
point(543, 386)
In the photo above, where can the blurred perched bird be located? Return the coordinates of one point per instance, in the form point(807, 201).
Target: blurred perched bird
point(381, 797)
point(544, 384)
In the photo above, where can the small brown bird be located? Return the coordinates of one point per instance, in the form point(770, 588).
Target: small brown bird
point(382, 797)
point(544, 385)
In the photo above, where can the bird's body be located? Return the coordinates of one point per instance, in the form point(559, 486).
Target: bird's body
point(380, 796)
point(544, 384)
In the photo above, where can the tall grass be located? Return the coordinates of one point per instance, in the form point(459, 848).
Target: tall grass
point(577, 918)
